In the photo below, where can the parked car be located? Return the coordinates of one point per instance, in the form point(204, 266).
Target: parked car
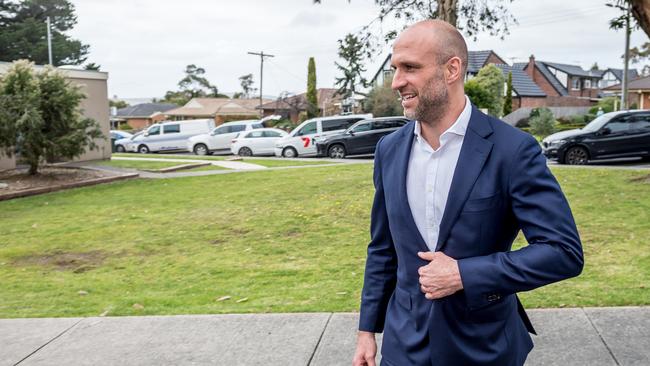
point(128, 144)
point(300, 142)
point(118, 135)
point(172, 136)
point(360, 138)
point(220, 138)
point(256, 142)
point(612, 135)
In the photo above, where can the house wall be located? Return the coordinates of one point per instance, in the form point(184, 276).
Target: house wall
point(142, 123)
point(494, 59)
point(644, 100)
point(6, 162)
point(568, 101)
point(541, 81)
point(94, 106)
point(582, 92)
point(533, 102)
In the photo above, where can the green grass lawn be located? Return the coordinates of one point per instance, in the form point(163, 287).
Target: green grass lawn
point(269, 163)
point(273, 241)
point(152, 165)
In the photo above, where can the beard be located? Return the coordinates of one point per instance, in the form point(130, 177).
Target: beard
point(433, 101)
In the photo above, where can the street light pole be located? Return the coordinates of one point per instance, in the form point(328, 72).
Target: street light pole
point(49, 41)
point(262, 55)
point(626, 57)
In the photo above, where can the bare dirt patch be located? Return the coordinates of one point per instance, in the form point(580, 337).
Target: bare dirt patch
point(78, 262)
point(18, 179)
point(643, 179)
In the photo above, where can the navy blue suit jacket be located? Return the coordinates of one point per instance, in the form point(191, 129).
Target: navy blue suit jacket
point(501, 185)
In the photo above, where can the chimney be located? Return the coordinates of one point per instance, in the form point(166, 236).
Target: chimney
point(530, 69)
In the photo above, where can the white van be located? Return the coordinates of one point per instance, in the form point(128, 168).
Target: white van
point(171, 136)
point(300, 142)
point(220, 138)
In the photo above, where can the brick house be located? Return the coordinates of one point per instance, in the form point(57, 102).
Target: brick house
point(220, 109)
point(292, 107)
point(565, 85)
point(611, 77)
point(525, 93)
point(142, 115)
point(638, 91)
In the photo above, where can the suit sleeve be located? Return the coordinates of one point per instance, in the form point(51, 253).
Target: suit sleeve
point(381, 263)
point(554, 252)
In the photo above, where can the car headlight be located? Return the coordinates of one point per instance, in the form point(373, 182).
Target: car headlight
point(556, 144)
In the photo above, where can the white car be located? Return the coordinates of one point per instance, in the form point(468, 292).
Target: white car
point(118, 135)
point(220, 138)
point(168, 136)
point(300, 142)
point(256, 142)
point(128, 144)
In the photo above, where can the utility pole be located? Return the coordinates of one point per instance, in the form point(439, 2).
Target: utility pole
point(49, 41)
point(624, 96)
point(262, 55)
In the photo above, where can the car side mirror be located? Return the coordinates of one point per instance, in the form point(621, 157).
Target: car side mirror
point(605, 131)
point(351, 133)
point(146, 134)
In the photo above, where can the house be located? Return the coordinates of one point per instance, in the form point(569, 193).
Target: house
point(638, 92)
point(95, 106)
point(475, 61)
point(611, 77)
point(292, 107)
point(142, 115)
point(220, 109)
point(525, 93)
point(564, 84)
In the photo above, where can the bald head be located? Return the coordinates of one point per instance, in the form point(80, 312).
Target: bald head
point(443, 40)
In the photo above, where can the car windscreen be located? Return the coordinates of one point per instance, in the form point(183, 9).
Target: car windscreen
point(599, 122)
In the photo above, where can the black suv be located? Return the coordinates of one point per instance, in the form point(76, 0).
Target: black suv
point(360, 138)
point(612, 135)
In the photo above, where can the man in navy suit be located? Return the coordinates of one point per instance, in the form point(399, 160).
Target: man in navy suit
point(452, 190)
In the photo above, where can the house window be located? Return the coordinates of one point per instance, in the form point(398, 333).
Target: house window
point(575, 84)
point(587, 84)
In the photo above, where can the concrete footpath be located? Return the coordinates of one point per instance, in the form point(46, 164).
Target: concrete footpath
point(576, 336)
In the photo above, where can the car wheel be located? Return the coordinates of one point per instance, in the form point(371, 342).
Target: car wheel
point(245, 151)
point(143, 149)
point(120, 149)
point(289, 152)
point(576, 156)
point(336, 152)
point(201, 149)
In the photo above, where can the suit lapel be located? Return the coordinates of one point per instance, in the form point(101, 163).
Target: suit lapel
point(473, 154)
point(403, 155)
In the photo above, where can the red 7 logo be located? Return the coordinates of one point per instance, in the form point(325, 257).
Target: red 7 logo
point(305, 141)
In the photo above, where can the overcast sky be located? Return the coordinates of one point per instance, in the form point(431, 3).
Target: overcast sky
point(145, 45)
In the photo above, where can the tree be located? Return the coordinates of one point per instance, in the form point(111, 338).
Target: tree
point(23, 32)
point(92, 66)
point(119, 104)
point(193, 85)
point(477, 94)
point(40, 117)
point(491, 79)
point(246, 82)
point(382, 101)
point(312, 97)
point(507, 104)
point(350, 50)
point(469, 16)
point(640, 11)
point(542, 122)
point(594, 67)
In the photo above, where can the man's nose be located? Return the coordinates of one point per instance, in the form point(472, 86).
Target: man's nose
point(398, 81)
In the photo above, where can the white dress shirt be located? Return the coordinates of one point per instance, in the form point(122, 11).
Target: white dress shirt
point(430, 173)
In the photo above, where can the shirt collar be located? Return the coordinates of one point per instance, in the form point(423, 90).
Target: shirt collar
point(460, 125)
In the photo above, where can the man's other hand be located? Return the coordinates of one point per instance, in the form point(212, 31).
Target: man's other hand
point(440, 277)
point(366, 349)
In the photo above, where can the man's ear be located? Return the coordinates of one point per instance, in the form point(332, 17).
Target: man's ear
point(453, 70)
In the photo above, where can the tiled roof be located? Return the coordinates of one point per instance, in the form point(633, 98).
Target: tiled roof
point(572, 70)
point(210, 107)
point(144, 110)
point(642, 83)
point(522, 84)
point(476, 60)
point(631, 73)
point(299, 101)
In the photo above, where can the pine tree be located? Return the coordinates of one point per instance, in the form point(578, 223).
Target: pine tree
point(350, 50)
point(312, 98)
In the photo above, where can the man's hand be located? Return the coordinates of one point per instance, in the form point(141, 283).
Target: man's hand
point(440, 277)
point(366, 350)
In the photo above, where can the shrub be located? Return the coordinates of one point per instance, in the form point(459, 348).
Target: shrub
point(542, 122)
